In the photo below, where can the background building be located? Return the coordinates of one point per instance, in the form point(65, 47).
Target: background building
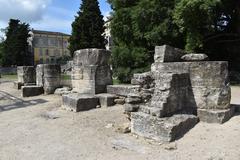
point(47, 47)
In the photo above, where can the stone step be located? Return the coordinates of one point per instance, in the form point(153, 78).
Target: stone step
point(124, 90)
point(215, 116)
point(79, 102)
point(106, 99)
point(30, 91)
point(162, 129)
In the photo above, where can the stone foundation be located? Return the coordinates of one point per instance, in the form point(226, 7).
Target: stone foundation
point(162, 129)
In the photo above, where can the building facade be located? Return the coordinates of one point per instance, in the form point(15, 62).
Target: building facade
point(47, 47)
point(107, 34)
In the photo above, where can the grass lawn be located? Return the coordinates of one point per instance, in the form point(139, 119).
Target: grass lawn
point(9, 77)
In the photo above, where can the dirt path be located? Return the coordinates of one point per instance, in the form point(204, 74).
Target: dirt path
point(37, 129)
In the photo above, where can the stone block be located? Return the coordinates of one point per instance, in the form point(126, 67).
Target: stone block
point(17, 85)
point(194, 57)
point(215, 116)
point(79, 102)
point(131, 107)
point(62, 91)
point(162, 129)
point(209, 81)
point(167, 53)
point(106, 100)
point(26, 74)
point(170, 94)
point(93, 56)
point(30, 91)
point(124, 90)
point(145, 80)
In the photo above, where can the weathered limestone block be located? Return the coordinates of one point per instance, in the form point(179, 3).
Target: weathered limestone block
point(209, 81)
point(167, 53)
point(30, 91)
point(52, 78)
point(162, 129)
point(195, 57)
point(106, 100)
point(26, 74)
point(79, 102)
point(145, 80)
point(49, 76)
point(131, 107)
point(215, 116)
point(39, 75)
point(17, 85)
point(170, 94)
point(62, 91)
point(85, 57)
point(124, 90)
point(91, 72)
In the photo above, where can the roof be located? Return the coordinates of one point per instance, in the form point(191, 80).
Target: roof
point(49, 33)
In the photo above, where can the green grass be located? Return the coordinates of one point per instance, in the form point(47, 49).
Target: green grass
point(9, 76)
point(65, 77)
point(116, 81)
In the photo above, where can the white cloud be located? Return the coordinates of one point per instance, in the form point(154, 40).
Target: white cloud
point(25, 10)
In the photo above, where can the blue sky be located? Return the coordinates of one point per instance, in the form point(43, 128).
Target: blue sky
point(51, 15)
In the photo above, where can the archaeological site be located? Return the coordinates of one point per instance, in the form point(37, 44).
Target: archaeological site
point(163, 104)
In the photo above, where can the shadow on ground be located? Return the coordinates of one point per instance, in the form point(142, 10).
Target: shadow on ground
point(13, 102)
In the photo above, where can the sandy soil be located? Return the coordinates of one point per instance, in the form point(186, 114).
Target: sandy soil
point(38, 129)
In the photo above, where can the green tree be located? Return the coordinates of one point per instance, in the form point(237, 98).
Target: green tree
point(197, 19)
point(137, 27)
point(15, 47)
point(88, 27)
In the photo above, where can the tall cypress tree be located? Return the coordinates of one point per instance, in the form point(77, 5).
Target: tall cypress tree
point(88, 27)
point(15, 47)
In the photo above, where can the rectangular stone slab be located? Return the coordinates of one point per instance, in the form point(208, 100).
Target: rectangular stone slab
point(29, 91)
point(124, 90)
point(215, 116)
point(79, 102)
point(162, 129)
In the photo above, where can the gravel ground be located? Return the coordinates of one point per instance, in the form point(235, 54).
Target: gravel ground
point(38, 129)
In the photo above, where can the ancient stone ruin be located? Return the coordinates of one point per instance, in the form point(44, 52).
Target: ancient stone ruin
point(26, 76)
point(90, 76)
point(44, 79)
point(162, 104)
point(48, 76)
point(180, 90)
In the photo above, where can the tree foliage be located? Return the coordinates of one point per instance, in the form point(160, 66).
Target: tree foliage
point(137, 27)
point(15, 47)
point(88, 27)
point(210, 26)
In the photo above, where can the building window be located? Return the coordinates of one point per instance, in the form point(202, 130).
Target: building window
point(40, 52)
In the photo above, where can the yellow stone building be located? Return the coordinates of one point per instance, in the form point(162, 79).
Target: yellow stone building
point(47, 47)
